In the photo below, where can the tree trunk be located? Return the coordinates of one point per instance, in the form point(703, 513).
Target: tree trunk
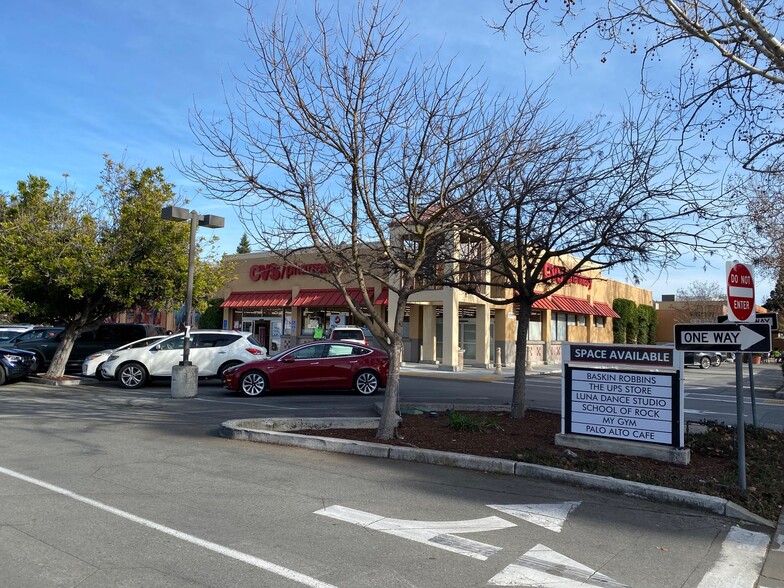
point(57, 367)
point(518, 394)
point(386, 428)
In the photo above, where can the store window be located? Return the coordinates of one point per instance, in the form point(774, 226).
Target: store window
point(535, 326)
point(599, 321)
point(560, 322)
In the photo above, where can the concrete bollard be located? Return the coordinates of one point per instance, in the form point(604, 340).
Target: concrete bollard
point(185, 381)
point(498, 360)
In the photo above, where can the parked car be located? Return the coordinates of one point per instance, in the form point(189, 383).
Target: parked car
point(704, 359)
point(91, 367)
point(15, 364)
point(330, 365)
point(349, 335)
point(212, 351)
point(45, 341)
point(41, 341)
point(8, 332)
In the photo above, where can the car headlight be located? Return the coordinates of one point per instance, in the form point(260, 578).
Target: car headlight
point(14, 358)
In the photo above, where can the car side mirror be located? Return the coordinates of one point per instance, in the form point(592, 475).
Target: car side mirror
point(287, 360)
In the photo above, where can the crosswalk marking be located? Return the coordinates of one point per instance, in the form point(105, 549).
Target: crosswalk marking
point(740, 561)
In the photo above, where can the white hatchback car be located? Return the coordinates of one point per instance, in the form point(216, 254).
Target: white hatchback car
point(211, 351)
point(91, 366)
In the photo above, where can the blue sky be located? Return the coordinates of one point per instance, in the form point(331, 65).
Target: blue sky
point(88, 77)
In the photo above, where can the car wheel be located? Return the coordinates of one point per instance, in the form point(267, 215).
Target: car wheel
point(366, 383)
point(2, 376)
point(253, 384)
point(225, 366)
point(717, 361)
point(99, 374)
point(705, 362)
point(132, 375)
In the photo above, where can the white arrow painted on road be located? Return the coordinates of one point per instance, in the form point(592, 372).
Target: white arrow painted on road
point(549, 516)
point(543, 567)
point(749, 338)
point(440, 534)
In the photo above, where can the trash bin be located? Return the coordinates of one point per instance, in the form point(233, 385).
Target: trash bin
point(460, 354)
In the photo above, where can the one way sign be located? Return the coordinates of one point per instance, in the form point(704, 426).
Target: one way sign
point(723, 337)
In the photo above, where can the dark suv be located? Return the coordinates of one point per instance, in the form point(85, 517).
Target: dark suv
point(44, 341)
point(15, 364)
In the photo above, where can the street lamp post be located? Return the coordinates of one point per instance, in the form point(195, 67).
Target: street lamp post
point(185, 376)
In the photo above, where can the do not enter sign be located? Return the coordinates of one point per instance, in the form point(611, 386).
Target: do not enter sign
point(740, 292)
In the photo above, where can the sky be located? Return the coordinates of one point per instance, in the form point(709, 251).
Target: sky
point(87, 77)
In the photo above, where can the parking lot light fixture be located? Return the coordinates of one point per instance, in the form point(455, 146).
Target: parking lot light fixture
point(186, 385)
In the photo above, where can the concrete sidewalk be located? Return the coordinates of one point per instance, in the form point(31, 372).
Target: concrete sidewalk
point(474, 373)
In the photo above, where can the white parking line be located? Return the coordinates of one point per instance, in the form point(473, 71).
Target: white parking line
point(220, 549)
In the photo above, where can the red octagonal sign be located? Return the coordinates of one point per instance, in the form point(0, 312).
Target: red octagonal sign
point(740, 292)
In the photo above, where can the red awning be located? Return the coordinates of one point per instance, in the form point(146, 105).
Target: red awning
point(257, 299)
point(573, 305)
point(546, 304)
point(329, 297)
point(603, 309)
point(383, 297)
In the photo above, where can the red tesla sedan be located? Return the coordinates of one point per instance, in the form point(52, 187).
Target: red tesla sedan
point(327, 365)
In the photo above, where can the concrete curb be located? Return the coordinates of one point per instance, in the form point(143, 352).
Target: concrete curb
point(272, 430)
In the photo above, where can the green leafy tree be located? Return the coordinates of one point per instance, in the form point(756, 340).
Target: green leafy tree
point(775, 302)
point(212, 317)
point(244, 246)
point(76, 260)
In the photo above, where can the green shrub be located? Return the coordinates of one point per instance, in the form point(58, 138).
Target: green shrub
point(625, 327)
point(464, 422)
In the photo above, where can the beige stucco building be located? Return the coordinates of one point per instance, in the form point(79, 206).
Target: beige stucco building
point(285, 307)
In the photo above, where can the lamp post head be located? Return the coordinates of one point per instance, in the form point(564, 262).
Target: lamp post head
point(212, 221)
point(175, 213)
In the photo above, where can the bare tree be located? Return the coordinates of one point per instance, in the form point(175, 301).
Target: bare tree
point(580, 198)
point(334, 147)
point(758, 232)
point(731, 75)
point(701, 302)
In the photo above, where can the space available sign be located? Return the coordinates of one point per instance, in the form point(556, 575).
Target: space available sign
point(620, 354)
point(629, 405)
point(625, 392)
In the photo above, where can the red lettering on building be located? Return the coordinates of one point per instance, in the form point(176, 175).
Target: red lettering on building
point(556, 273)
point(274, 271)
